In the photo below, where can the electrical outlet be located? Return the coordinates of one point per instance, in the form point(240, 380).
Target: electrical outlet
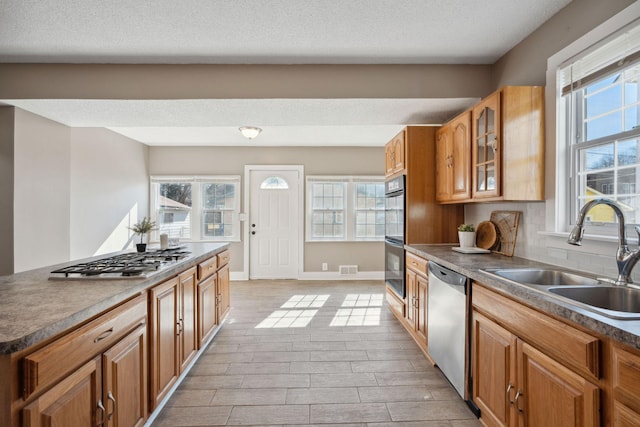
point(325, 267)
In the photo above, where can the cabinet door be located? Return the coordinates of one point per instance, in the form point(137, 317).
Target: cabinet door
point(493, 361)
point(411, 296)
point(551, 395)
point(207, 316)
point(624, 416)
point(163, 340)
point(74, 401)
point(443, 164)
point(421, 307)
point(486, 150)
point(399, 152)
point(460, 170)
point(389, 158)
point(125, 380)
point(224, 298)
point(187, 319)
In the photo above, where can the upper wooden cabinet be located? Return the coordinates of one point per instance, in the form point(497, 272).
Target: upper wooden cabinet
point(395, 155)
point(508, 145)
point(505, 149)
point(453, 152)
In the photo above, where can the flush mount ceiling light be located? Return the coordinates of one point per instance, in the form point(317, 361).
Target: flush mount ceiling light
point(250, 131)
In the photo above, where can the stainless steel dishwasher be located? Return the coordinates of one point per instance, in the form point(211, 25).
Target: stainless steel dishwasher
point(447, 320)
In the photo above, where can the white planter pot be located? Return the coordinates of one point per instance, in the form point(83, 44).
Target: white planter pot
point(467, 239)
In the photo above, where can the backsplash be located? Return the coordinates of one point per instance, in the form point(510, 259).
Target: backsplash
point(594, 257)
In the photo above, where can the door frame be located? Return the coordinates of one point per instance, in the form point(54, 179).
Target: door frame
point(247, 210)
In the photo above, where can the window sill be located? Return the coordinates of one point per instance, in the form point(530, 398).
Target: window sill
point(588, 237)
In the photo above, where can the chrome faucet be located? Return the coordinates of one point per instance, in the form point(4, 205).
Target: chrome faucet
point(626, 259)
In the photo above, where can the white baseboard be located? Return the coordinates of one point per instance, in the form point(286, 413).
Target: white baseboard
point(322, 275)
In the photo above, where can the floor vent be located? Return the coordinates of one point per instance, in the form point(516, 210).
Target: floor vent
point(348, 270)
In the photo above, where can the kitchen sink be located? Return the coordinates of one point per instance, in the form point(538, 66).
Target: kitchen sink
point(618, 302)
point(543, 277)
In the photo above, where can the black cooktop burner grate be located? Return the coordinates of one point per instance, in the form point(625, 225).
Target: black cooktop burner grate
point(127, 265)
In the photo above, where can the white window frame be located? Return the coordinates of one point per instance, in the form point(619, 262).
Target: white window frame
point(197, 208)
point(560, 214)
point(349, 216)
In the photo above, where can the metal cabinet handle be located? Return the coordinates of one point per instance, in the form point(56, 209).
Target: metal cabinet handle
point(179, 324)
point(101, 408)
point(509, 388)
point(103, 335)
point(113, 406)
point(519, 394)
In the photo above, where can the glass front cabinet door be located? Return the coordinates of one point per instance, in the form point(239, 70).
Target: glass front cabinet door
point(486, 152)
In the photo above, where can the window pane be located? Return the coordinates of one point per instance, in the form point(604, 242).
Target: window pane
point(604, 126)
point(600, 182)
point(604, 101)
point(631, 117)
point(370, 204)
point(628, 152)
point(174, 209)
point(597, 157)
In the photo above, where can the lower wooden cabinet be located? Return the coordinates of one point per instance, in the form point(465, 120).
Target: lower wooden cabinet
point(207, 313)
point(222, 290)
point(515, 383)
point(417, 286)
point(187, 317)
point(109, 390)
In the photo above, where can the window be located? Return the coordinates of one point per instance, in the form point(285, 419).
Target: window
point(345, 208)
point(197, 208)
point(599, 117)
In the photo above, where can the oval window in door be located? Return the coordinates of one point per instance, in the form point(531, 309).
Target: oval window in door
point(274, 183)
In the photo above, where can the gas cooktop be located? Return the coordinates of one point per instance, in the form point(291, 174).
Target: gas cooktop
point(134, 265)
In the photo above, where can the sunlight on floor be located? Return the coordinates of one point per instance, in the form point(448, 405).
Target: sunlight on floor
point(288, 319)
point(306, 301)
point(366, 311)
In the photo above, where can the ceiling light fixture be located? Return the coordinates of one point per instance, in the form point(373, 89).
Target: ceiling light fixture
point(250, 131)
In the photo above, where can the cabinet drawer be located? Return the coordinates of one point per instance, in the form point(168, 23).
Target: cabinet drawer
point(48, 365)
point(223, 258)
point(207, 268)
point(566, 344)
point(626, 377)
point(417, 264)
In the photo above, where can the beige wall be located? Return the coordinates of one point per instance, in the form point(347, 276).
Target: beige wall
point(526, 64)
point(6, 189)
point(109, 190)
point(41, 191)
point(316, 161)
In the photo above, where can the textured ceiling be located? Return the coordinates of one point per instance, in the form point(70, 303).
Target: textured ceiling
point(262, 32)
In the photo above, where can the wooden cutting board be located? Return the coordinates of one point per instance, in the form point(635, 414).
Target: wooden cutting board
point(506, 223)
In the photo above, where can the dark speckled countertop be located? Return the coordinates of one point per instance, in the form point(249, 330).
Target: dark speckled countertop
point(34, 308)
point(625, 331)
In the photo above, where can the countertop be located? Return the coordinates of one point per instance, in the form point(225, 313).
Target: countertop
point(34, 308)
point(625, 331)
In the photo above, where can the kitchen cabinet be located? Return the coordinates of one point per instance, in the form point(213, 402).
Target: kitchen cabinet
point(213, 295)
point(394, 152)
point(453, 160)
point(174, 331)
point(625, 386)
point(417, 292)
point(529, 369)
point(222, 291)
point(163, 339)
point(109, 386)
point(507, 157)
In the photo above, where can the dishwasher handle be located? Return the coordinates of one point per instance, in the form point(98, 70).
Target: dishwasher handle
point(447, 276)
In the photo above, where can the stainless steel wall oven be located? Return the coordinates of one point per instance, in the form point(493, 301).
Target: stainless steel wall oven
point(394, 234)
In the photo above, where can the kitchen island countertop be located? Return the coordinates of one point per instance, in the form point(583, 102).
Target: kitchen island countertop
point(624, 331)
point(34, 308)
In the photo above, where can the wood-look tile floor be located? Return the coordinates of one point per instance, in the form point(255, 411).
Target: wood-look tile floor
point(313, 353)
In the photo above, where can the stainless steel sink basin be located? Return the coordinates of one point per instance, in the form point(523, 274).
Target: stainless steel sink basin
point(614, 301)
point(543, 277)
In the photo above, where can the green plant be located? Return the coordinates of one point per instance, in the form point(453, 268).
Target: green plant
point(466, 227)
point(143, 227)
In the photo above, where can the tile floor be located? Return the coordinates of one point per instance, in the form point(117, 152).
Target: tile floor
point(313, 353)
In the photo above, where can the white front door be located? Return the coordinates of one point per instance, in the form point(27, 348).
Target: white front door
point(274, 209)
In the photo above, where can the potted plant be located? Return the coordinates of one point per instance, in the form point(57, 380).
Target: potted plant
point(142, 228)
point(467, 235)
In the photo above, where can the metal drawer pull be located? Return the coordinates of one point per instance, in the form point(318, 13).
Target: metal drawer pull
point(509, 393)
point(101, 407)
point(113, 407)
point(519, 394)
point(103, 335)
